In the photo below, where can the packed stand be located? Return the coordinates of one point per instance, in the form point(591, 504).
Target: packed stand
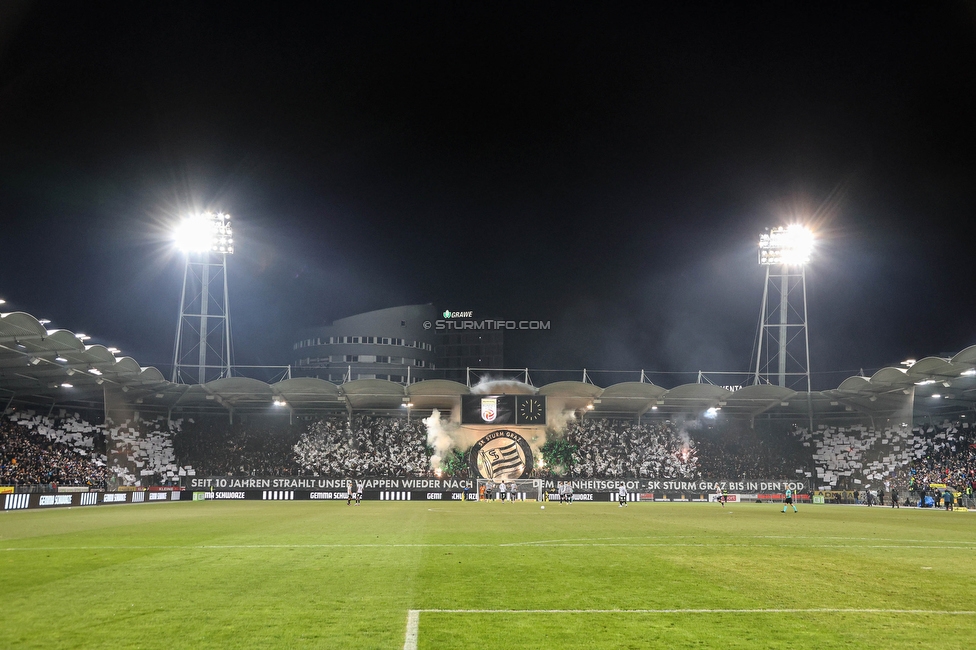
point(365, 446)
point(141, 452)
point(39, 450)
point(733, 450)
point(254, 447)
point(943, 454)
point(619, 448)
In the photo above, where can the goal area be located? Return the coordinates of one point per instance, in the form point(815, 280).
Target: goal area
point(526, 489)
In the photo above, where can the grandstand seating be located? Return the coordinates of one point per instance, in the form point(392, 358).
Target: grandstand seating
point(68, 450)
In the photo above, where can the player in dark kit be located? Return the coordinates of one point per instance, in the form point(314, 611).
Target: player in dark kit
point(894, 499)
point(789, 500)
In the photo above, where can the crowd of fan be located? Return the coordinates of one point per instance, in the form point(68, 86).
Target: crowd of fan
point(39, 451)
point(858, 457)
point(67, 450)
point(364, 446)
point(255, 447)
point(733, 450)
point(141, 452)
point(946, 454)
point(619, 448)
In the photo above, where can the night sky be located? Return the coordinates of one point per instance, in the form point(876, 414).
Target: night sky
point(606, 169)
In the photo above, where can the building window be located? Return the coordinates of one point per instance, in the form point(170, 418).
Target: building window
point(352, 358)
point(382, 358)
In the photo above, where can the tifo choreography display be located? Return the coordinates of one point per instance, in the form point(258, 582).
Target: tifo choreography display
point(393, 459)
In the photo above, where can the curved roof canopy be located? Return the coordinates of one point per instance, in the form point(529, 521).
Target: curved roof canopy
point(56, 366)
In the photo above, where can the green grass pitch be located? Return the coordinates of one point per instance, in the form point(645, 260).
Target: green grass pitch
point(486, 575)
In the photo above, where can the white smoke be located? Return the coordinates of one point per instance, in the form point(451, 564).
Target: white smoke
point(558, 416)
point(489, 386)
point(444, 436)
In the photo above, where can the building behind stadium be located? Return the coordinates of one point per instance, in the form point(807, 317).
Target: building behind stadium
point(394, 344)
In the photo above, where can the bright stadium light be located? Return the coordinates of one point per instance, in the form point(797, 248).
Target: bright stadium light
point(783, 346)
point(790, 246)
point(203, 329)
point(205, 232)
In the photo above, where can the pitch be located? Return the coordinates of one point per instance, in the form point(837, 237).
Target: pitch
point(486, 575)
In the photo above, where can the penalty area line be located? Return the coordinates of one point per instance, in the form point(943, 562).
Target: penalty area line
point(413, 615)
point(413, 627)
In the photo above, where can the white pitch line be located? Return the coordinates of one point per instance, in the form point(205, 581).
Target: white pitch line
point(545, 545)
point(821, 610)
point(413, 615)
point(413, 627)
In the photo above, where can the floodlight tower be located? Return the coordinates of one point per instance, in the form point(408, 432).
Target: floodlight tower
point(783, 349)
point(203, 344)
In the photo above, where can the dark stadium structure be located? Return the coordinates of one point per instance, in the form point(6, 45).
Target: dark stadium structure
point(78, 417)
point(48, 369)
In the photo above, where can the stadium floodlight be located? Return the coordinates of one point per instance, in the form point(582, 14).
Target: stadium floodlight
point(2, 301)
point(783, 349)
point(44, 321)
point(203, 345)
point(968, 373)
point(82, 337)
point(60, 359)
point(205, 232)
point(790, 246)
point(67, 385)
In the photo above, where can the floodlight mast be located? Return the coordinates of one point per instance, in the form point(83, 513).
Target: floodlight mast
point(203, 349)
point(784, 252)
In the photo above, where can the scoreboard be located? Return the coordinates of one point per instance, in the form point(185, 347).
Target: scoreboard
point(503, 409)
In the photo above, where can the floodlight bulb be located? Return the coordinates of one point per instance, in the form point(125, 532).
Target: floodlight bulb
point(195, 234)
point(790, 246)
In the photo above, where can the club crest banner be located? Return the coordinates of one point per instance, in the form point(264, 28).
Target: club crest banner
point(501, 455)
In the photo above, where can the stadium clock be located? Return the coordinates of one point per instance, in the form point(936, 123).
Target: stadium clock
point(531, 410)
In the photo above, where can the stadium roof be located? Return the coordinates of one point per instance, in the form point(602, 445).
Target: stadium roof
point(56, 368)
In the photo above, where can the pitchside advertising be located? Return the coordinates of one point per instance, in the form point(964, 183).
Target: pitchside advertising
point(424, 489)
